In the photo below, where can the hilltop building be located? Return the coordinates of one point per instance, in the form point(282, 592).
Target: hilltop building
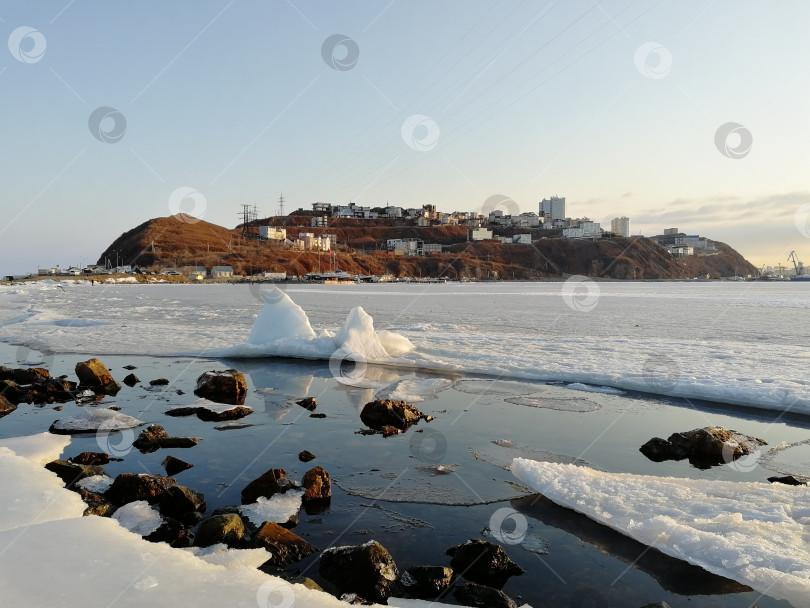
point(620, 226)
point(552, 209)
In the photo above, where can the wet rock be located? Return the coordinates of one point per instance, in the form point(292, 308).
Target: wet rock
point(308, 404)
point(355, 600)
point(94, 375)
point(129, 367)
point(306, 456)
point(101, 508)
point(387, 412)
point(70, 472)
point(427, 582)
point(154, 437)
point(27, 375)
point(388, 431)
point(471, 594)
point(367, 570)
point(227, 386)
point(285, 547)
point(270, 482)
point(173, 465)
point(483, 562)
point(791, 480)
point(317, 415)
point(182, 503)
point(50, 390)
point(131, 380)
point(705, 447)
point(128, 487)
point(317, 485)
point(228, 529)
point(91, 458)
point(172, 532)
point(6, 407)
point(208, 414)
point(299, 580)
point(159, 382)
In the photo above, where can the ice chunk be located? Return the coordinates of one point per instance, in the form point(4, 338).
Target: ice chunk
point(93, 420)
point(605, 390)
point(281, 318)
point(138, 517)
point(754, 533)
point(96, 483)
point(279, 508)
point(221, 555)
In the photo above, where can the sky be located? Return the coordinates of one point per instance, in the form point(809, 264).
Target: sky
point(674, 113)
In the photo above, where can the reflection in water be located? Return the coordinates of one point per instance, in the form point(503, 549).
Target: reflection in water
point(672, 574)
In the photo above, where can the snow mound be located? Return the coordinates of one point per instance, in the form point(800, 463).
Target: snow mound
point(279, 508)
point(41, 448)
point(138, 517)
point(221, 555)
point(755, 533)
point(93, 420)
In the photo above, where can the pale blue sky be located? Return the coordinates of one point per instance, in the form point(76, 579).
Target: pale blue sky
point(529, 99)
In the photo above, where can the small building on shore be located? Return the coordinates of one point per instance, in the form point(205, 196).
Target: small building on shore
point(221, 272)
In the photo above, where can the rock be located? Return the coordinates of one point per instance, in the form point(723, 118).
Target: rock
point(227, 386)
point(367, 570)
point(306, 456)
point(173, 465)
point(211, 414)
point(427, 582)
point(706, 447)
point(285, 547)
point(131, 380)
point(70, 472)
point(159, 382)
point(317, 485)
point(27, 375)
point(155, 437)
point(228, 529)
point(102, 508)
point(6, 407)
point(94, 375)
point(483, 562)
point(128, 487)
point(49, 390)
point(299, 580)
point(388, 431)
point(387, 412)
point(268, 483)
point(308, 404)
point(129, 367)
point(172, 532)
point(657, 605)
point(791, 480)
point(355, 600)
point(471, 594)
point(182, 503)
point(317, 415)
point(91, 458)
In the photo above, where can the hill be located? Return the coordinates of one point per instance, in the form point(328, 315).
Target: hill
point(183, 241)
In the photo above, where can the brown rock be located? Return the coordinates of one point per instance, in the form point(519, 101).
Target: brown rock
point(173, 465)
point(101, 508)
point(91, 458)
point(268, 483)
point(306, 456)
point(317, 485)
point(6, 407)
point(427, 582)
point(70, 473)
point(227, 386)
point(308, 404)
point(155, 437)
point(228, 529)
point(387, 412)
point(128, 487)
point(367, 570)
point(94, 375)
point(284, 546)
point(483, 562)
point(131, 380)
point(183, 504)
point(159, 382)
point(29, 375)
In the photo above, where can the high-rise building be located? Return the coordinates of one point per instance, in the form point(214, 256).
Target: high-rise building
point(620, 226)
point(553, 208)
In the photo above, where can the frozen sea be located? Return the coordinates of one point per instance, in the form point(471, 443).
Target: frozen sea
point(577, 372)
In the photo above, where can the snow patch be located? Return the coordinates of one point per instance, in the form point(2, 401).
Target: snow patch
point(279, 508)
point(96, 483)
point(41, 448)
point(138, 517)
point(89, 421)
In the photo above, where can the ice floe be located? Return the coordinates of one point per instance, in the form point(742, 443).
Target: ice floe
point(92, 420)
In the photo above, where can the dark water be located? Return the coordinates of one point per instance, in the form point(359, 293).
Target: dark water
point(422, 492)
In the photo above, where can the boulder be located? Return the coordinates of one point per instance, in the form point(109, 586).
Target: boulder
point(172, 532)
point(154, 437)
point(94, 375)
point(306, 456)
point(427, 582)
point(131, 380)
point(49, 390)
point(228, 529)
point(227, 386)
point(159, 382)
point(705, 447)
point(101, 508)
point(317, 485)
point(310, 403)
point(70, 472)
point(483, 562)
point(387, 412)
point(471, 594)
point(128, 487)
point(367, 570)
point(91, 458)
point(173, 465)
point(268, 483)
point(182, 503)
point(211, 414)
point(26, 375)
point(299, 580)
point(320, 415)
point(285, 547)
point(6, 407)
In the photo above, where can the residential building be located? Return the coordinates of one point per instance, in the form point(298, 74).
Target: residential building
point(620, 226)
point(405, 246)
point(553, 207)
point(272, 233)
point(221, 272)
point(480, 234)
point(522, 239)
point(195, 273)
point(431, 248)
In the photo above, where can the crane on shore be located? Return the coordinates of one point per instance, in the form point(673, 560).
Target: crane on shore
point(798, 267)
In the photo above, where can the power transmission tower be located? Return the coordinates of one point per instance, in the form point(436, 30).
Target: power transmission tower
point(250, 214)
